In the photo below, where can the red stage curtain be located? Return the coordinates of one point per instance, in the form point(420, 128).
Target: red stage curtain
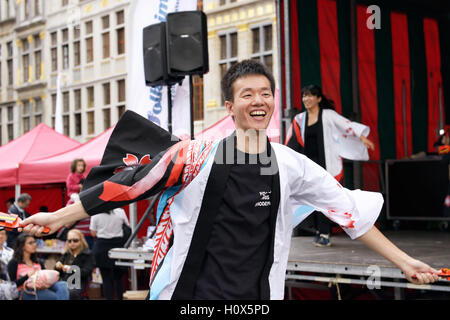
point(400, 57)
point(329, 51)
point(295, 58)
point(368, 94)
point(434, 79)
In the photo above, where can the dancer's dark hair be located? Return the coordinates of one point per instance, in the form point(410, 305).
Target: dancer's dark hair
point(242, 69)
point(315, 90)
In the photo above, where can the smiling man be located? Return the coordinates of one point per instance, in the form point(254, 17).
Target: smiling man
point(225, 216)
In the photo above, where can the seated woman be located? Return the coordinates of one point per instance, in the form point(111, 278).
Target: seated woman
point(25, 263)
point(77, 253)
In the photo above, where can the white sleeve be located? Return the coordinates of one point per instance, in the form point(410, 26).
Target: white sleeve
point(93, 224)
point(349, 128)
point(123, 215)
point(355, 211)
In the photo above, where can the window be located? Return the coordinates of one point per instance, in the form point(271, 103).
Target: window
point(38, 109)
point(8, 9)
point(54, 50)
point(262, 45)
point(120, 32)
point(121, 41)
point(26, 9)
point(78, 124)
point(53, 110)
point(26, 116)
point(37, 57)
point(90, 97)
point(106, 118)
point(228, 53)
point(121, 90)
point(120, 110)
point(25, 60)
point(65, 49)
point(89, 42)
point(10, 123)
point(77, 98)
point(105, 37)
point(120, 19)
point(37, 7)
point(91, 123)
point(106, 94)
point(65, 113)
point(66, 124)
point(197, 100)
point(224, 2)
point(76, 46)
point(9, 63)
point(66, 102)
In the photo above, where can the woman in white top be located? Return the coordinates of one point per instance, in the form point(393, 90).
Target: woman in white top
point(325, 137)
point(107, 227)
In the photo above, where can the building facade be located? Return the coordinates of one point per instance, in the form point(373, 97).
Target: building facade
point(79, 42)
point(237, 30)
point(82, 43)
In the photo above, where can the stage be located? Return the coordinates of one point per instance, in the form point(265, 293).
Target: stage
point(345, 262)
point(351, 262)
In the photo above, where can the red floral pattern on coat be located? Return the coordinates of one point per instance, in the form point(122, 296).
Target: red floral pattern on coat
point(131, 161)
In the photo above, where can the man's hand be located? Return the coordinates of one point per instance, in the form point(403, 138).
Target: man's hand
point(375, 240)
point(35, 224)
point(422, 272)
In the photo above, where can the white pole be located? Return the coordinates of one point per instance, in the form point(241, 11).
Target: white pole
point(133, 222)
point(17, 187)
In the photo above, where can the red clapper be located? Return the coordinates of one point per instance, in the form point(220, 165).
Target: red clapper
point(444, 273)
point(12, 221)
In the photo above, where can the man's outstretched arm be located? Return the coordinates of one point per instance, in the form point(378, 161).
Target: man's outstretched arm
point(34, 225)
point(128, 186)
point(376, 241)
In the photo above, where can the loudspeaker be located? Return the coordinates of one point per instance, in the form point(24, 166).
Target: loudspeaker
point(155, 56)
point(187, 43)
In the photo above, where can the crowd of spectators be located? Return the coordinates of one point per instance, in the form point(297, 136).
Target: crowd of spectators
point(23, 274)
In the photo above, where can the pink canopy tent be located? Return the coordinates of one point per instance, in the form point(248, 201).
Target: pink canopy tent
point(55, 169)
point(225, 127)
point(40, 142)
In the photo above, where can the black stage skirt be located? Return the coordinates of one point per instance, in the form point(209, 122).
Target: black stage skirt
point(101, 248)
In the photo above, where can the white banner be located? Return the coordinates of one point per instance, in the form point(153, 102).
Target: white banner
point(149, 102)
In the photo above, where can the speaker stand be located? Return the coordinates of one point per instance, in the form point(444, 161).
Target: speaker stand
point(169, 106)
point(191, 104)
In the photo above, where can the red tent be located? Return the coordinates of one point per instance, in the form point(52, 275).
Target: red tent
point(225, 127)
point(40, 142)
point(55, 169)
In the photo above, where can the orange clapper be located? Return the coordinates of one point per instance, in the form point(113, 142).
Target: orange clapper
point(12, 221)
point(444, 273)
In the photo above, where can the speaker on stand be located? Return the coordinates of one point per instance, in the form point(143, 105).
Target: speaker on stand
point(187, 48)
point(175, 49)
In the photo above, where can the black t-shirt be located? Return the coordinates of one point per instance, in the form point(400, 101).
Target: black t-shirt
point(239, 244)
point(312, 142)
point(314, 148)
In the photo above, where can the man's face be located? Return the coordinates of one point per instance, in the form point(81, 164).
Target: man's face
point(253, 103)
point(24, 205)
point(3, 237)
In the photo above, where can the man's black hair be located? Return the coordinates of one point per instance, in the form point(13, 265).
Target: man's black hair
point(243, 69)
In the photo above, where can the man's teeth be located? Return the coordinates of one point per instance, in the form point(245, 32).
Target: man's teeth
point(258, 113)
